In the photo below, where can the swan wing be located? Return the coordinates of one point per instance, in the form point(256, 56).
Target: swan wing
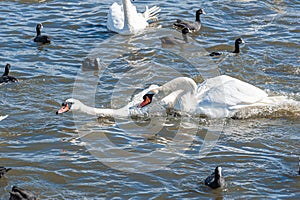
point(138, 21)
point(115, 18)
point(131, 21)
point(152, 13)
point(141, 19)
point(222, 95)
point(229, 91)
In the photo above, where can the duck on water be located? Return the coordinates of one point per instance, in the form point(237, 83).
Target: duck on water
point(192, 26)
point(236, 50)
point(215, 180)
point(5, 78)
point(39, 38)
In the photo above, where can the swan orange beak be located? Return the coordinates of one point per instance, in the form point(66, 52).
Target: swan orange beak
point(65, 108)
point(147, 100)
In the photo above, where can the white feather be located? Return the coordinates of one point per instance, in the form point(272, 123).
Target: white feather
point(125, 19)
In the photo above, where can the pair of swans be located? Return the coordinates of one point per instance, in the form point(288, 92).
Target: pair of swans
point(125, 19)
point(217, 97)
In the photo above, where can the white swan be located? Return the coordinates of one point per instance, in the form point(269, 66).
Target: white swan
point(217, 97)
point(128, 110)
point(125, 19)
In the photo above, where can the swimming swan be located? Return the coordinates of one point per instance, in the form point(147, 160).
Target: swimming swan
point(125, 19)
point(217, 97)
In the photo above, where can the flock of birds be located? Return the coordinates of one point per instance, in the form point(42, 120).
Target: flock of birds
point(214, 181)
point(39, 38)
point(124, 19)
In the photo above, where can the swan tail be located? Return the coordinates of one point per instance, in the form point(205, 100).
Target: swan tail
point(152, 13)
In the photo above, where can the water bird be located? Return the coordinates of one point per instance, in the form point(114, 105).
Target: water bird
point(167, 40)
point(39, 37)
point(21, 194)
point(217, 97)
point(3, 117)
point(3, 171)
point(125, 19)
point(236, 48)
point(5, 78)
point(192, 26)
point(299, 166)
point(215, 180)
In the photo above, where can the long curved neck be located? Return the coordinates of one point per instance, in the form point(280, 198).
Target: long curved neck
point(127, 6)
point(104, 112)
point(181, 83)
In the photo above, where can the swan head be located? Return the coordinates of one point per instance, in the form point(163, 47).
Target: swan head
point(69, 104)
point(147, 98)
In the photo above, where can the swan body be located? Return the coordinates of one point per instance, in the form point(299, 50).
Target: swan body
point(217, 97)
point(222, 95)
point(125, 19)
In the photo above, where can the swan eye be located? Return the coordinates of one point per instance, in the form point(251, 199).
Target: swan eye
point(70, 104)
point(67, 103)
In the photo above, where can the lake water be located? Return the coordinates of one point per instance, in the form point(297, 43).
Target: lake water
point(77, 156)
